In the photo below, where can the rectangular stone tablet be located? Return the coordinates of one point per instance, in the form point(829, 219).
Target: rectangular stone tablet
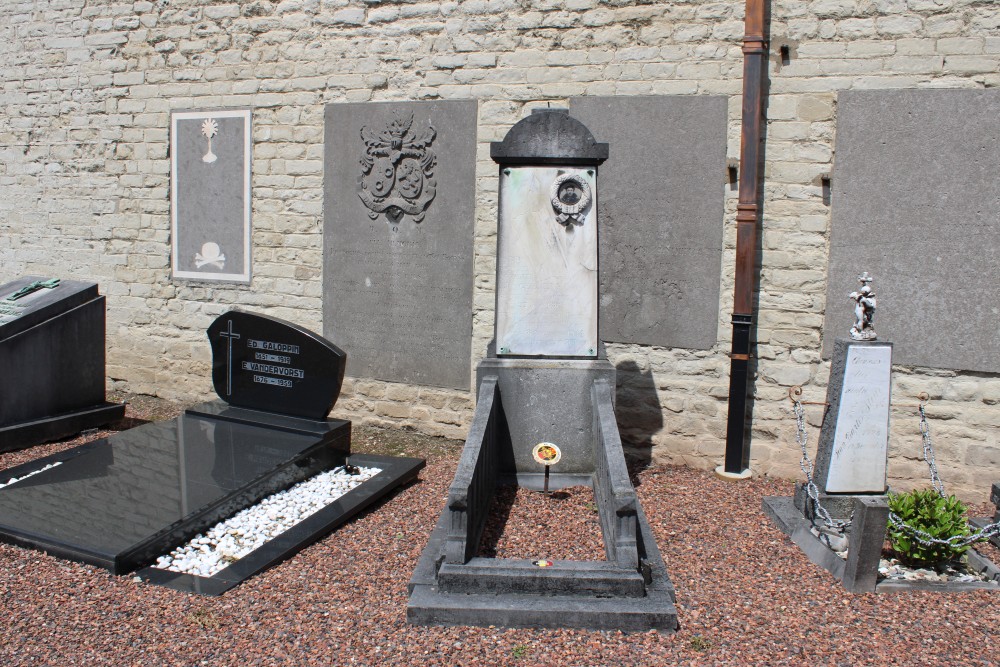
point(210, 194)
point(399, 193)
point(663, 191)
point(854, 442)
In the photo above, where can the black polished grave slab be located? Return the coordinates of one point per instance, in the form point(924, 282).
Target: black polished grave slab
point(122, 501)
point(52, 381)
point(396, 471)
point(264, 363)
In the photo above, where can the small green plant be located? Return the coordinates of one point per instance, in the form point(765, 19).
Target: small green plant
point(940, 517)
point(520, 651)
point(699, 643)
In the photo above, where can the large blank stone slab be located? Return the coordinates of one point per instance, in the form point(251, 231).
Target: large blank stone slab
point(397, 294)
point(547, 270)
point(662, 208)
point(915, 203)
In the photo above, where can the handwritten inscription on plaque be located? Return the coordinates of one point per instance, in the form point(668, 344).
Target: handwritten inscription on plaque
point(858, 459)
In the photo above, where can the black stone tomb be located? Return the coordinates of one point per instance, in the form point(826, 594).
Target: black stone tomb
point(51, 361)
point(122, 501)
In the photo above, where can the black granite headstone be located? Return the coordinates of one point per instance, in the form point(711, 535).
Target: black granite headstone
point(52, 381)
point(264, 363)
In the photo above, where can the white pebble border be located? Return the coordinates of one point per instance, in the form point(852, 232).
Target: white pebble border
point(228, 541)
point(15, 480)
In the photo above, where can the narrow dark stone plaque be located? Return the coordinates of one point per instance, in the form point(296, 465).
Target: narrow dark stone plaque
point(662, 212)
point(399, 191)
point(264, 363)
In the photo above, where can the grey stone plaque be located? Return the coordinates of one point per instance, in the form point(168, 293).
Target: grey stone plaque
point(915, 203)
point(210, 194)
point(854, 442)
point(547, 268)
point(399, 210)
point(662, 210)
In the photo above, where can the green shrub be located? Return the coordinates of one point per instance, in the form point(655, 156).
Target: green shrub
point(940, 517)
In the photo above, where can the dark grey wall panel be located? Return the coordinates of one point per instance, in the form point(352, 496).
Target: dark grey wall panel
point(915, 203)
point(661, 219)
point(397, 290)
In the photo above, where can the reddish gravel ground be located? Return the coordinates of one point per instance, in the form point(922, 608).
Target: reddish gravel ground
point(527, 524)
point(745, 594)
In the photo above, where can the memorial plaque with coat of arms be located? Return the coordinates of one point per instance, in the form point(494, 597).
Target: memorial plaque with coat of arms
point(399, 210)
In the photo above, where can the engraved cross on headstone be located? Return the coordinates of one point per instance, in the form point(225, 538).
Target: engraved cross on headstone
point(34, 287)
point(230, 335)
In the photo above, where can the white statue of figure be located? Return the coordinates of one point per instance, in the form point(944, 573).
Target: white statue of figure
point(864, 310)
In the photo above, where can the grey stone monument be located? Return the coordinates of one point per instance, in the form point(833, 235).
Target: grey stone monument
point(981, 522)
point(399, 212)
point(850, 471)
point(853, 443)
point(546, 384)
point(210, 158)
point(52, 380)
point(852, 456)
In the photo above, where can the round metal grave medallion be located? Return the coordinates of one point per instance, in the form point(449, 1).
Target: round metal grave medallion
point(570, 198)
point(546, 453)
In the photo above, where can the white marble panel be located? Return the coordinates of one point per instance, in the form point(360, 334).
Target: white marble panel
point(858, 459)
point(547, 269)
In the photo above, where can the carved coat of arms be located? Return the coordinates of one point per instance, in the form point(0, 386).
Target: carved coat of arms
point(397, 171)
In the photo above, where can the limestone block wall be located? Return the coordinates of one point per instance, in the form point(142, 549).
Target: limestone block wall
point(87, 87)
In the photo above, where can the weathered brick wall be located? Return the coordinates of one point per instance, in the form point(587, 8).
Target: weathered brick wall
point(88, 87)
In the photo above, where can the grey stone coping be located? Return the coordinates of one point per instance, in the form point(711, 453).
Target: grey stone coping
point(549, 136)
point(789, 520)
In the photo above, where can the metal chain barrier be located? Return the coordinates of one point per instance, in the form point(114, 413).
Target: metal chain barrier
point(921, 536)
point(929, 540)
point(807, 467)
point(925, 434)
point(840, 526)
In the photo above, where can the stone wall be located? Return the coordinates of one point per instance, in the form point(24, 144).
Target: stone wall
point(87, 88)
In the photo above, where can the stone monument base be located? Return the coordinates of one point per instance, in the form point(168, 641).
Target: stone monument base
point(521, 402)
point(47, 429)
point(838, 505)
point(516, 594)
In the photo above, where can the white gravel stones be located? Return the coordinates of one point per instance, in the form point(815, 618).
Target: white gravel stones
point(893, 569)
point(228, 541)
point(15, 480)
